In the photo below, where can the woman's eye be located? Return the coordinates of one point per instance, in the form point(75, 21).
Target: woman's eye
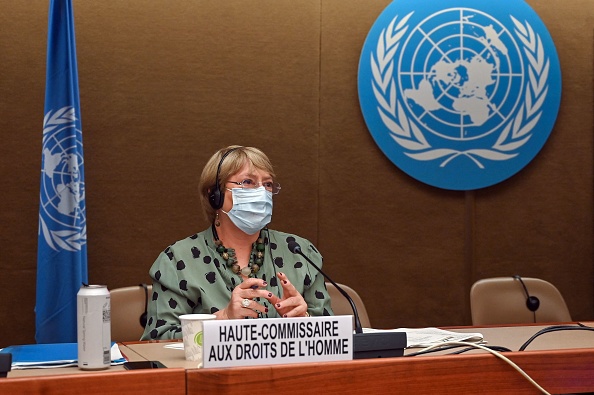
point(267, 184)
point(247, 182)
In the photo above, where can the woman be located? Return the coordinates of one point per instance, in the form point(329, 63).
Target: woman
point(237, 268)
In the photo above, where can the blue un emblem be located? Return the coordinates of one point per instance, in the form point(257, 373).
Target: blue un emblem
point(460, 95)
point(62, 214)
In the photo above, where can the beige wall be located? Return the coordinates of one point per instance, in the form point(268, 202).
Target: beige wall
point(164, 83)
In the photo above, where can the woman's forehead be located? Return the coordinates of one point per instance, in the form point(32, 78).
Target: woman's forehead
point(249, 170)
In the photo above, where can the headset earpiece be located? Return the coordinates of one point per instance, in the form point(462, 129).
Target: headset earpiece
point(532, 302)
point(217, 197)
point(143, 320)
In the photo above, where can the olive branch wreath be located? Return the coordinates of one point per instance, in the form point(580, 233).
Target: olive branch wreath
point(69, 240)
point(408, 135)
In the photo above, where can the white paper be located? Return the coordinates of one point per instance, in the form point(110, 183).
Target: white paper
point(426, 337)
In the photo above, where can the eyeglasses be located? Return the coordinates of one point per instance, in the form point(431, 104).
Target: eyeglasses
point(248, 183)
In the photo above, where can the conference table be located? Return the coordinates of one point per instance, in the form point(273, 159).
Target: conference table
point(560, 362)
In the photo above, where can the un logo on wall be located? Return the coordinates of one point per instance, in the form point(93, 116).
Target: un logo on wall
point(460, 95)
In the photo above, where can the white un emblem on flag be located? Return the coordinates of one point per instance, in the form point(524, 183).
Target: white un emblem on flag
point(459, 98)
point(62, 218)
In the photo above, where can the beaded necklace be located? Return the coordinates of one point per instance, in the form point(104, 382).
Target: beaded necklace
point(228, 255)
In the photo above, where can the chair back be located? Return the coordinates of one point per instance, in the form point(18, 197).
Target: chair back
point(128, 309)
point(341, 306)
point(503, 300)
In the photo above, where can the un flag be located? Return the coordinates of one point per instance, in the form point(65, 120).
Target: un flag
point(62, 236)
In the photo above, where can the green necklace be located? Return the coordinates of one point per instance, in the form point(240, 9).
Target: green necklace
point(228, 255)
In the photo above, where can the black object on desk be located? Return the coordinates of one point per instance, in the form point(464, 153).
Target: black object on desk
point(5, 363)
point(378, 345)
point(143, 365)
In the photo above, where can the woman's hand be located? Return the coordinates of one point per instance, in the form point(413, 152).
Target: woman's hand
point(292, 304)
point(247, 290)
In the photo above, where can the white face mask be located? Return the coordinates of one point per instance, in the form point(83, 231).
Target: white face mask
point(252, 209)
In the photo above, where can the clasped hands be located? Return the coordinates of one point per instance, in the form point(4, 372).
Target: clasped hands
point(292, 303)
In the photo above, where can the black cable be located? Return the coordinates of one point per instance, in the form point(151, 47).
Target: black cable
point(555, 328)
point(494, 348)
point(449, 347)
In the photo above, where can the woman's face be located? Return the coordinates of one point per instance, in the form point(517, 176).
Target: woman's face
point(247, 172)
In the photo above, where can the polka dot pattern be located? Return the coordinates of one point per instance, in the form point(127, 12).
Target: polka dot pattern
point(190, 277)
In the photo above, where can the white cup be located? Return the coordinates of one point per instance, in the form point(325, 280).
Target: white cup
point(192, 329)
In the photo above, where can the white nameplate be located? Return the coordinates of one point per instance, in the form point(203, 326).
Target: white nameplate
point(268, 341)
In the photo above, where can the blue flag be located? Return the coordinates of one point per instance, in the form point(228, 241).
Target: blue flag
point(62, 249)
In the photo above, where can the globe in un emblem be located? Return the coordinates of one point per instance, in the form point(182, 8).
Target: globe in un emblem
point(62, 187)
point(461, 74)
point(62, 208)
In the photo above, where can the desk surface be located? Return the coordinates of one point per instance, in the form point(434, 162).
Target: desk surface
point(511, 337)
point(128, 353)
point(114, 380)
point(561, 362)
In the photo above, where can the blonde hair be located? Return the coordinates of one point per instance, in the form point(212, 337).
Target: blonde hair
point(232, 163)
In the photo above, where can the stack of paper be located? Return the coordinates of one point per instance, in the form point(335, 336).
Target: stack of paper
point(30, 356)
point(426, 337)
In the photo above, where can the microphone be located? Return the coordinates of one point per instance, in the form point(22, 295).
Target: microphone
point(365, 345)
point(296, 249)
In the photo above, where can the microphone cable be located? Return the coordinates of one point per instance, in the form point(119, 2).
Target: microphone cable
point(445, 346)
point(496, 350)
point(498, 355)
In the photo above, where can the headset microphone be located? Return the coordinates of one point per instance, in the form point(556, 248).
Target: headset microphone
point(365, 345)
point(532, 302)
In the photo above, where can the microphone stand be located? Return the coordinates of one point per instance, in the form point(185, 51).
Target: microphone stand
point(365, 345)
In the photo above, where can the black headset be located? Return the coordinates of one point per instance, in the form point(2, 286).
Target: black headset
point(532, 302)
point(217, 197)
point(143, 316)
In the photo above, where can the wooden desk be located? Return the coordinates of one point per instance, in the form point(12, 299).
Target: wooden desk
point(557, 371)
point(141, 382)
point(561, 362)
point(115, 380)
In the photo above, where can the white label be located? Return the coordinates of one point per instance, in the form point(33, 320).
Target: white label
point(268, 341)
